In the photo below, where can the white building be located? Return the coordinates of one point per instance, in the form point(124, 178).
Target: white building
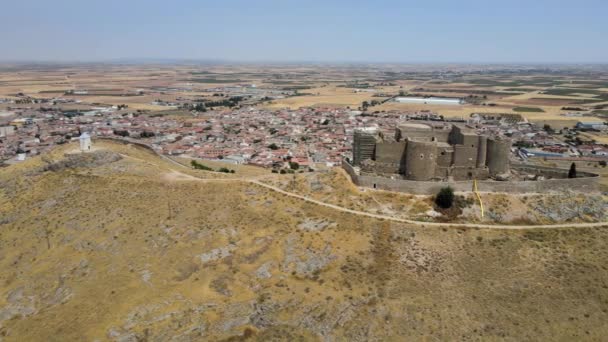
point(430, 100)
point(235, 159)
point(6, 131)
point(85, 142)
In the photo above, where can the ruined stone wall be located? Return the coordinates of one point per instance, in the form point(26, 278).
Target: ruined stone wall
point(350, 170)
point(424, 135)
point(445, 154)
point(442, 172)
point(583, 184)
point(387, 152)
point(363, 147)
point(482, 150)
point(467, 173)
point(549, 172)
point(384, 168)
point(389, 157)
point(464, 156)
point(441, 136)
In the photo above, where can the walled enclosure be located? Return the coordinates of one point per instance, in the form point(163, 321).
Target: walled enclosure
point(422, 152)
point(586, 182)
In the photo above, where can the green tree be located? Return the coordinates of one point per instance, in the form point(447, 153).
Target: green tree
point(572, 171)
point(200, 107)
point(445, 198)
point(122, 133)
point(199, 166)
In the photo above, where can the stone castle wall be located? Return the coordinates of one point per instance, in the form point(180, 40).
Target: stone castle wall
point(587, 183)
point(420, 160)
point(497, 157)
point(425, 154)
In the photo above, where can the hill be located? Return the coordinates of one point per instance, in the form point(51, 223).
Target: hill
point(121, 245)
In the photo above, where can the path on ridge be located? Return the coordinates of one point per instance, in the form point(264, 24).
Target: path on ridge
point(176, 175)
point(385, 217)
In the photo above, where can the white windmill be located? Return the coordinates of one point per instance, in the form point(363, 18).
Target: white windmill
point(85, 142)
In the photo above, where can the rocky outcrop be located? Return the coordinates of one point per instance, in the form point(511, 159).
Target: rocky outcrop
point(80, 160)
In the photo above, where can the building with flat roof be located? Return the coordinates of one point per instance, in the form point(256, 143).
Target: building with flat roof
point(6, 131)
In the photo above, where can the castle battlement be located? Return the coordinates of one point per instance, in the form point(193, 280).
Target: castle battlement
point(424, 152)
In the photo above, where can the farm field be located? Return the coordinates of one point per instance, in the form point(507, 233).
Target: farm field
point(536, 94)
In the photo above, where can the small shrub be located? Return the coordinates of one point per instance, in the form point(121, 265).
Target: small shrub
point(572, 171)
point(445, 198)
point(200, 166)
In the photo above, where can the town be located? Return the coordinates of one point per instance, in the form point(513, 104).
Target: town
point(310, 138)
point(303, 171)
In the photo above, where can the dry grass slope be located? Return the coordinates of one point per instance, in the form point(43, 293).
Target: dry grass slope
point(119, 252)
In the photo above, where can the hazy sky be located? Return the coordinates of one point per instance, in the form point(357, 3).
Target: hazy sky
point(306, 30)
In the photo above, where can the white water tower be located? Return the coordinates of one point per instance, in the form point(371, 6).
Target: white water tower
point(85, 142)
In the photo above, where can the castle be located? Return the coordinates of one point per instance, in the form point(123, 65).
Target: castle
point(423, 152)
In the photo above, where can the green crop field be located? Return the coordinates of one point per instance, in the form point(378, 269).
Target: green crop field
point(572, 91)
point(528, 109)
point(215, 80)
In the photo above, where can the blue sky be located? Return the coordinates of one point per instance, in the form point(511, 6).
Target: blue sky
point(534, 31)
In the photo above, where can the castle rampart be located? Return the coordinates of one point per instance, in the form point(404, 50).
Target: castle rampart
point(422, 152)
point(585, 182)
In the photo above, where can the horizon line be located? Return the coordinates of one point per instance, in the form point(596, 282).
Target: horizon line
point(135, 60)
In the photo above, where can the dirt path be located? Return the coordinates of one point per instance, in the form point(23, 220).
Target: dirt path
point(429, 224)
point(175, 175)
point(178, 176)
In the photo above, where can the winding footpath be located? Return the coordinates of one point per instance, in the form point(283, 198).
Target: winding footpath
point(426, 224)
point(391, 218)
point(256, 182)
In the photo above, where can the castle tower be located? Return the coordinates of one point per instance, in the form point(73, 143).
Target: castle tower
point(364, 146)
point(482, 150)
point(497, 156)
point(420, 160)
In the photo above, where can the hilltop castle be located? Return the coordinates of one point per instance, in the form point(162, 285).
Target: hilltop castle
point(421, 152)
